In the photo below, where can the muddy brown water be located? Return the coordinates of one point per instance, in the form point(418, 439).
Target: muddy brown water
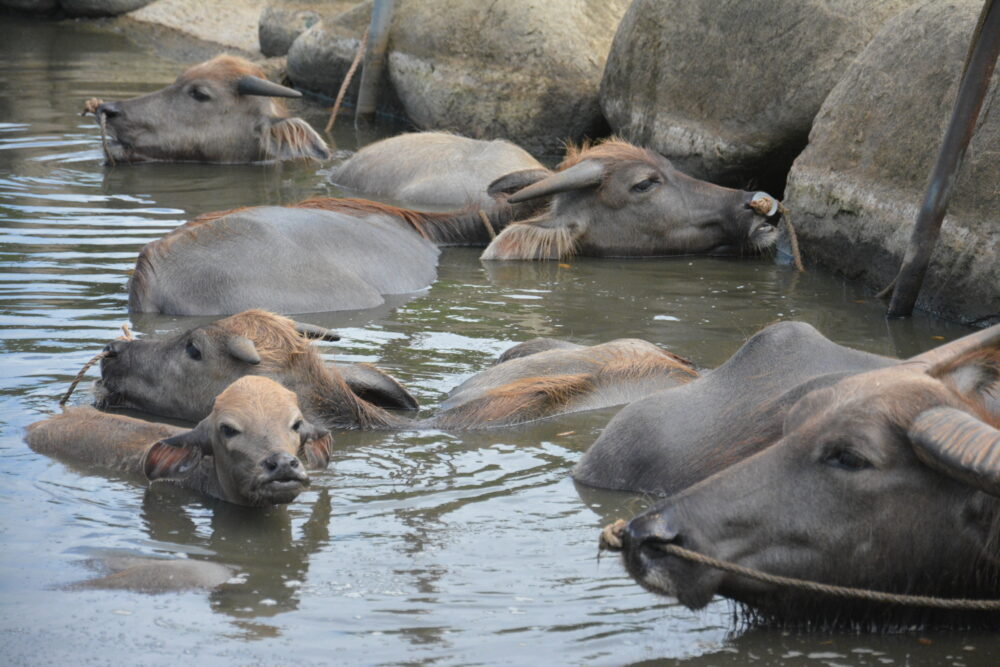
point(416, 546)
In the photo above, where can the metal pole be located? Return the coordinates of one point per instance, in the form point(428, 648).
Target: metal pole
point(371, 74)
point(981, 61)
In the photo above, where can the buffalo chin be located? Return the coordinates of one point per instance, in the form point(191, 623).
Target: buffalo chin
point(277, 492)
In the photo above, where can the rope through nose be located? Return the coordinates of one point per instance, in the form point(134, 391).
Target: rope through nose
point(611, 539)
point(90, 106)
point(126, 335)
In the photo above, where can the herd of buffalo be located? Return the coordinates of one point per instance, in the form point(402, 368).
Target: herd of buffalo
point(796, 457)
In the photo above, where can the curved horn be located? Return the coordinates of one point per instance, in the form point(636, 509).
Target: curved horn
point(254, 85)
point(581, 175)
point(938, 358)
point(243, 349)
point(960, 446)
point(314, 332)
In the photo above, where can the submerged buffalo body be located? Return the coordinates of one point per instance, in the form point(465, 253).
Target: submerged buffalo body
point(219, 111)
point(319, 255)
point(437, 170)
point(619, 200)
point(251, 449)
point(879, 474)
point(179, 376)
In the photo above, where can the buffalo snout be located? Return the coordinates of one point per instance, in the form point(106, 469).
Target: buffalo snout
point(283, 467)
point(646, 534)
point(110, 110)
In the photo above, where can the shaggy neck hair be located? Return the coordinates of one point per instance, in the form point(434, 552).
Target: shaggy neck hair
point(286, 356)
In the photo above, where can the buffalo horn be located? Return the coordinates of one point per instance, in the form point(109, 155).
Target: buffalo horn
point(940, 357)
point(314, 332)
point(254, 85)
point(243, 349)
point(959, 445)
point(581, 175)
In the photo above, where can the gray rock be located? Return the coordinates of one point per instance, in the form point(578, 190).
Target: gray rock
point(34, 6)
point(282, 21)
point(727, 90)
point(522, 70)
point(319, 58)
point(856, 189)
point(101, 7)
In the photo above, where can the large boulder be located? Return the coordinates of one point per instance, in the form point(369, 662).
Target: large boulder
point(856, 189)
point(320, 57)
point(729, 90)
point(523, 70)
point(282, 21)
point(101, 7)
point(35, 6)
point(76, 7)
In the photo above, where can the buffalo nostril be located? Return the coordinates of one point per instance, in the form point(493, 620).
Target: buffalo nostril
point(110, 351)
point(294, 463)
point(270, 464)
point(650, 530)
point(109, 110)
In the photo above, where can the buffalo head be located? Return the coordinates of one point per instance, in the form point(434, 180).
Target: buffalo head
point(180, 376)
point(887, 479)
point(255, 436)
point(619, 200)
point(222, 110)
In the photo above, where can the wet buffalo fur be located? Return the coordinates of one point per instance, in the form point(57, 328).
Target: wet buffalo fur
point(460, 228)
point(286, 355)
point(532, 398)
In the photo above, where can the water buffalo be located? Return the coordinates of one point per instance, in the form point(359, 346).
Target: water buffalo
point(870, 472)
point(318, 255)
point(179, 376)
point(619, 200)
point(540, 377)
point(246, 451)
point(438, 170)
point(222, 110)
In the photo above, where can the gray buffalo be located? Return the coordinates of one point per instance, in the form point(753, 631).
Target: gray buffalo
point(619, 200)
point(862, 471)
point(319, 255)
point(438, 170)
point(179, 376)
point(222, 110)
point(251, 449)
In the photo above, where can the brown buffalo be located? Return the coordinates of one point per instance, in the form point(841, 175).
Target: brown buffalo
point(222, 110)
point(180, 375)
point(619, 200)
point(246, 451)
point(883, 476)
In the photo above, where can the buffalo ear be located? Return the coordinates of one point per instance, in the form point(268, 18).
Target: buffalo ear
point(377, 387)
point(582, 175)
point(243, 349)
point(314, 445)
point(313, 332)
point(178, 456)
point(957, 444)
point(293, 139)
point(510, 183)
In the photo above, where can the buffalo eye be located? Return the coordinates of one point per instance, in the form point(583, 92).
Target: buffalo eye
point(193, 351)
point(645, 185)
point(198, 94)
point(229, 431)
point(297, 425)
point(847, 460)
